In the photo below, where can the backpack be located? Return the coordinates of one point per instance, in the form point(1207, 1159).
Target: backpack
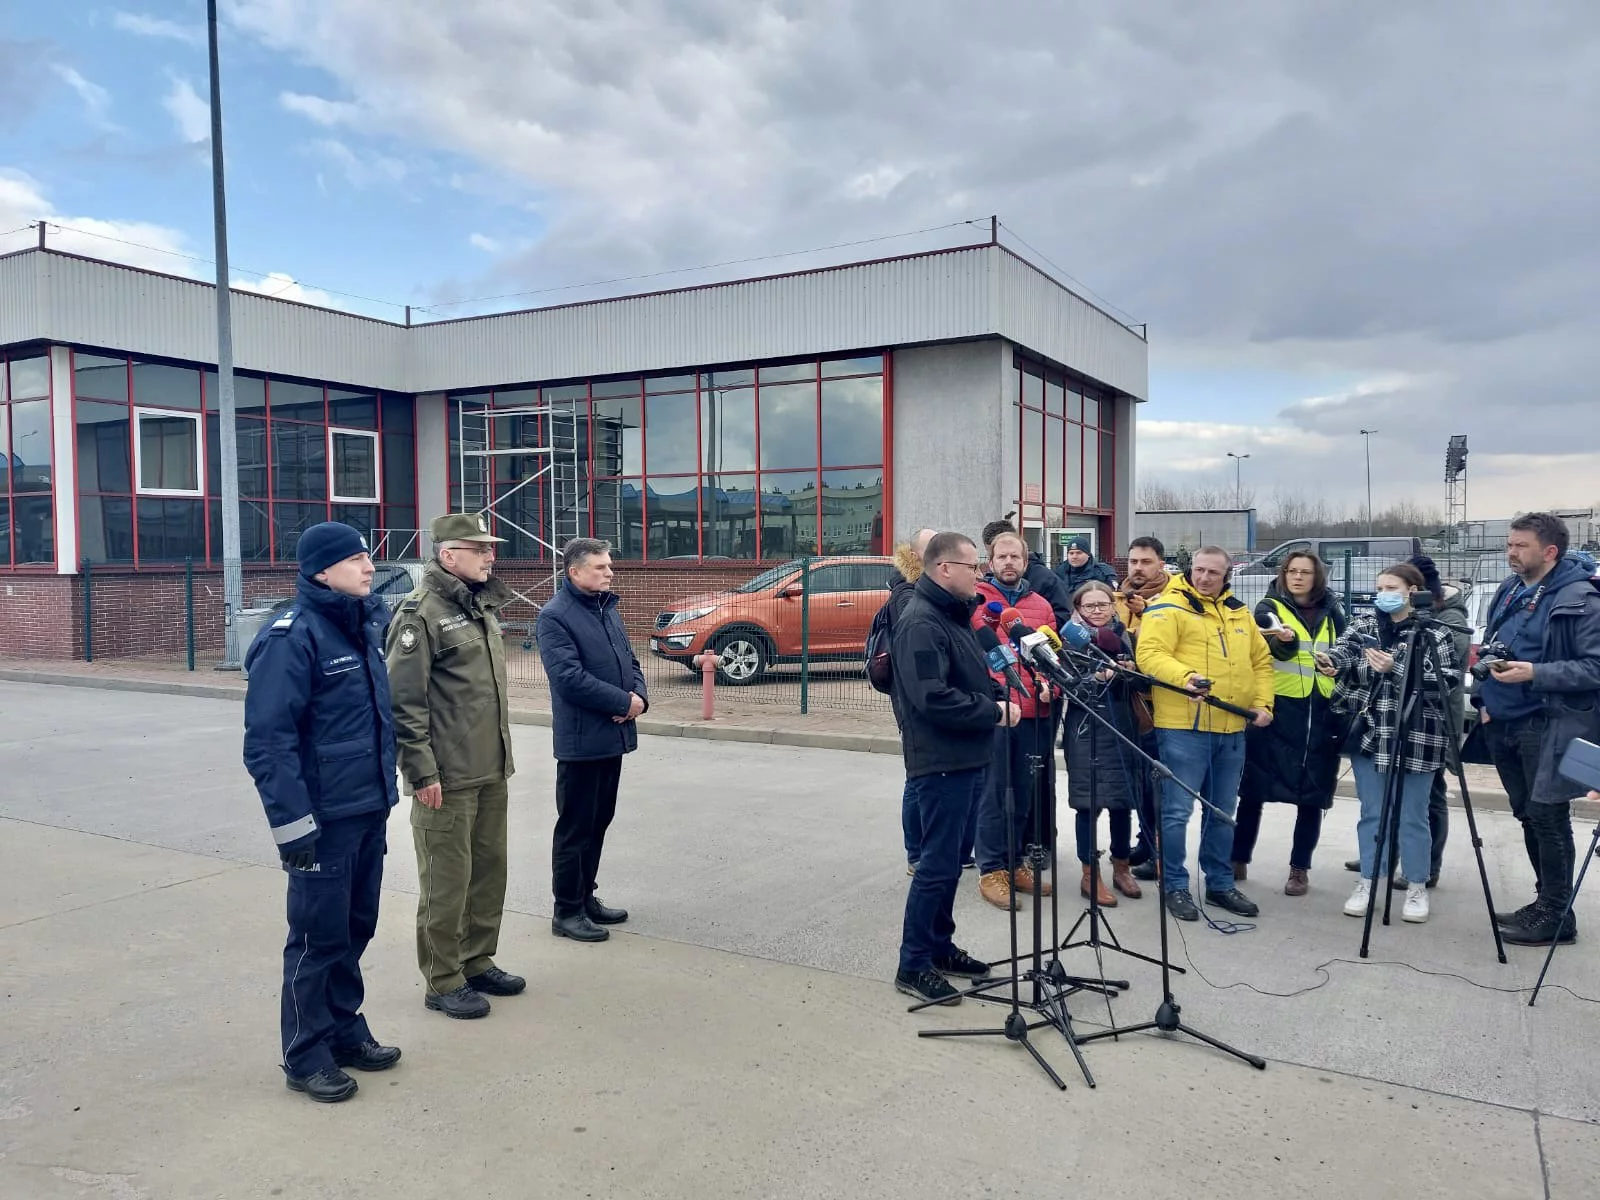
point(880, 668)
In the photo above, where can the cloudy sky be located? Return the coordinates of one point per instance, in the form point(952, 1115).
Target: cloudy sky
point(1327, 221)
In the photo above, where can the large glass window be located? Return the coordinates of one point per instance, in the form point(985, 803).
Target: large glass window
point(27, 457)
point(150, 462)
point(717, 463)
point(1064, 458)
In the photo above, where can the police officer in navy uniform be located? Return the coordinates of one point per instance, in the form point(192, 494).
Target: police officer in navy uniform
point(319, 743)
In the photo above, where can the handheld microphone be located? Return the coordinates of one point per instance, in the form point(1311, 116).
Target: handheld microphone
point(1268, 622)
point(1010, 618)
point(1034, 647)
point(1075, 636)
point(1052, 637)
point(1000, 658)
point(1108, 643)
point(992, 611)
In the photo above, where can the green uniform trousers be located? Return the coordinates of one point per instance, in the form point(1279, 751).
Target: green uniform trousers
point(461, 867)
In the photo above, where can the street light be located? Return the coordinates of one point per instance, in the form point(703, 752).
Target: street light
point(1238, 478)
point(1367, 434)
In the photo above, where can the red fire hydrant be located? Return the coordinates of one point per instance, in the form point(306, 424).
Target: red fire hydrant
point(707, 662)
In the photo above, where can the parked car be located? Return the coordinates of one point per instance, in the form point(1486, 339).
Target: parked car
point(763, 622)
point(1332, 550)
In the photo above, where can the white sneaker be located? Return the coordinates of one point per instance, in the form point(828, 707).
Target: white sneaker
point(1416, 909)
point(1359, 900)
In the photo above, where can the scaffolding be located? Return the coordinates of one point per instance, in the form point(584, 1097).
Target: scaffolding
point(1455, 488)
point(551, 494)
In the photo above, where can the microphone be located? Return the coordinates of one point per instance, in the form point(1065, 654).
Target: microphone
point(1075, 636)
point(993, 611)
point(1034, 646)
point(1108, 643)
point(1010, 618)
point(1000, 658)
point(1052, 637)
point(1268, 622)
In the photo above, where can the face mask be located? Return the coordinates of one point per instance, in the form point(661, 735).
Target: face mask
point(1389, 602)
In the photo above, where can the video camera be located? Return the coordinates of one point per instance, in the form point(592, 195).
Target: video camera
point(1489, 654)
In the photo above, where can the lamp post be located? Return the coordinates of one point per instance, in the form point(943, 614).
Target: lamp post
point(228, 444)
point(1238, 478)
point(1367, 434)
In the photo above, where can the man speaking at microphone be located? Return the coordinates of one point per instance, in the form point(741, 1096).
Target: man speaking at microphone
point(1001, 874)
point(1197, 636)
point(949, 710)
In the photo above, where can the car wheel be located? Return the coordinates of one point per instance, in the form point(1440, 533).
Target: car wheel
point(742, 657)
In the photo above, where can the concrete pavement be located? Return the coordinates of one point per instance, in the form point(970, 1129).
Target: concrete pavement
point(739, 1037)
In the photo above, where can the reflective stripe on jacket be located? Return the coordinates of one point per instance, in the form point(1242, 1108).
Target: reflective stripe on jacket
point(1297, 675)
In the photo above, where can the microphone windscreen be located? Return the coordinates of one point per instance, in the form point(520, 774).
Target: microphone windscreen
point(987, 639)
point(1106, 638)
point(1051, 636)
point(1017, 631)
point(1075, 635)
point(1010, 617)
point(1267, 620)
point(995, 607)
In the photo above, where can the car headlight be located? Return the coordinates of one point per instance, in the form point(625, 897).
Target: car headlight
point(691, 614)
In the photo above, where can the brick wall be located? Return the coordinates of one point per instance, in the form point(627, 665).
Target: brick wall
point(37, 617)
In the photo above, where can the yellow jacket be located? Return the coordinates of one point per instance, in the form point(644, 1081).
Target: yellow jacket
point(1184, 633)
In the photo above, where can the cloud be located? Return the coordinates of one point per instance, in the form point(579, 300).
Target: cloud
point(362, 170)
point(23, 78)
point(189, 112)
point(1269, 185)
point(96, 100)
point(487, 244)
point(157, 27)
point(136, 243)
point(284, 287)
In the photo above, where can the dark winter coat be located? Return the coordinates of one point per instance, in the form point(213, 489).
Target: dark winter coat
point(1098, 764)
point(943, 694)
point(1295, 760)
point(1048, 584)
point(1072, 578)
point(318, 735)
point(592, 669)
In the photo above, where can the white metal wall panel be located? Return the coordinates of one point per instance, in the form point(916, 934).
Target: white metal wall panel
point(1041, 315)
point(974, 293)
point(20, 317)
point(101, 304)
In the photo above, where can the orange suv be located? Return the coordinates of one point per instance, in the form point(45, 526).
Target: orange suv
point(759, 623)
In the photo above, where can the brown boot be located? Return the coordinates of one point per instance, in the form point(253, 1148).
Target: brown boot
point(1298, 884)
point(1025, 883)
point(1122, 879)
point(995, 887)
point(1103, 895)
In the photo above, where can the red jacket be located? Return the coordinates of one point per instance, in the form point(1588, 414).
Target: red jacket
point(1036, 612)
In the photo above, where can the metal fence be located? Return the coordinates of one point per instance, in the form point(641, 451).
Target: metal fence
point(1355, 579)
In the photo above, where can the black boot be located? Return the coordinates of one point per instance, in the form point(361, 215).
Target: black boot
point(495, 982)
point(579, 928)
point(1543, 926)
point(328, 1086)
point(595, 909)
point(368, 1056)
point(464, 1004)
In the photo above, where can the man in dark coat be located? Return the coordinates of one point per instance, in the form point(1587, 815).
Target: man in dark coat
point(319, 743)
point(1080, 566)
point(597, 692)
point(1533, 705)
point(902, 583)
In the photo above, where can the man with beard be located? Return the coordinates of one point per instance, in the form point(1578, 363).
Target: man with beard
point(1040, 577)
point(1147, 579)
point(1001, 872)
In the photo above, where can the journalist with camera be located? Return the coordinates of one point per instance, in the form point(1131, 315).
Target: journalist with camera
point(1539, 688)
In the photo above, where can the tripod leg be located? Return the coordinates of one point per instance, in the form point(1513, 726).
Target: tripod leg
point(1477, 850)
point(1254, 1060)
point(1588, 857)
point(1386, 813)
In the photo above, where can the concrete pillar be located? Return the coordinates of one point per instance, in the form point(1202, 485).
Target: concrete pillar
point(433, 462)
point(1127, 466)
point(64, 471)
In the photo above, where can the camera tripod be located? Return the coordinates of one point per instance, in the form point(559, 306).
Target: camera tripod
point(1169, 1014)
point(1410, 684)
point(1588, 857)
point(1051, 985)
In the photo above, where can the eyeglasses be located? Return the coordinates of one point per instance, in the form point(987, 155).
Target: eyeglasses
point(1097, 605)
point(473, 548)
point(975, 568)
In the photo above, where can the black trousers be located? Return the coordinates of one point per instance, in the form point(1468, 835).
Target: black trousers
point(1514, 747)
point(586, 800)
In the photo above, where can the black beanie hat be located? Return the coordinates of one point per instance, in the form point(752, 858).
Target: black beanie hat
point(323, 545)
point(1430, 574)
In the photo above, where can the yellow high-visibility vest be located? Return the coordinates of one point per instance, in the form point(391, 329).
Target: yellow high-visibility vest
point(1295, 677)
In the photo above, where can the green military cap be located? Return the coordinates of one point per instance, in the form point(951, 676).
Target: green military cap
point(461, 527)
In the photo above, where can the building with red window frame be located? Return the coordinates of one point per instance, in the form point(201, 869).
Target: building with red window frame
point(829, 411)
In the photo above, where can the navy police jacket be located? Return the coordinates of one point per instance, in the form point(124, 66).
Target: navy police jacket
point(591, 668)
point(318, 732)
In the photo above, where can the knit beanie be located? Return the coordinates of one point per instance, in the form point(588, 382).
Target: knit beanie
point(323, 545)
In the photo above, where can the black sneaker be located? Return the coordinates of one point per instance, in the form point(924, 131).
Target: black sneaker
point(1352, 864)
point(929, 986)
point(961, 963)
point(368, 1056)
point(1181, 905)
point(463, 1004)
point(328, 1086)
point(1542, 928)
point(1147, 871)
point(969, 863)
point(1234, 901)
point(495, 982)
point(1519, 917)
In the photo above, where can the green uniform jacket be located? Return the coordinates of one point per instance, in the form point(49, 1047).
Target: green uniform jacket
point(447, 673)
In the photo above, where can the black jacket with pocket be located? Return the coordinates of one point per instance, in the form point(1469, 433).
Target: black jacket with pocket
point(943, 692)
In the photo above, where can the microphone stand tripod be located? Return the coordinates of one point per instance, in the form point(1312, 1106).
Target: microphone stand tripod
point(1169, 1014)
point(1588, 857)
point(1410, 684)
point(1050, 985)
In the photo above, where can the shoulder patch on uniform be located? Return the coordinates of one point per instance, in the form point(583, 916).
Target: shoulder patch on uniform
point(408, 638)
point(286, 620)
point(410, 603)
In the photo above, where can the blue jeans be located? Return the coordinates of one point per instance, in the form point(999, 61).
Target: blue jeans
point(911, 828)
point(1416, 839)
point(1211, 764)
point(945, 803)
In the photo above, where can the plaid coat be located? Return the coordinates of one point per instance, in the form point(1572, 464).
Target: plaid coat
point(1374, 698)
